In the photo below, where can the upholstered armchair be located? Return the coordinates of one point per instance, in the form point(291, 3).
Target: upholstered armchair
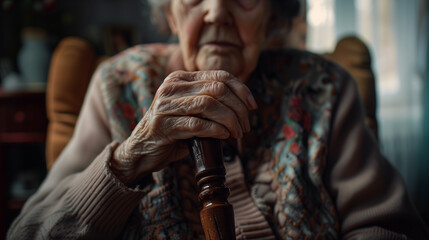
point(72, 65)
point(352, 54)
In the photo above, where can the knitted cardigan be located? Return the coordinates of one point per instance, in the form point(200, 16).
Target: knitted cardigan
point(308, 169)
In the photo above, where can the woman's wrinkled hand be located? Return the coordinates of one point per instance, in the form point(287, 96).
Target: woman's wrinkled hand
point(206, 104)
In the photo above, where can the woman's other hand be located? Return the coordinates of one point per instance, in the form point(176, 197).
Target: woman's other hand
point(207, 104)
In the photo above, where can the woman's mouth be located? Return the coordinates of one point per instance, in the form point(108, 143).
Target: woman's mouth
point(220, 46)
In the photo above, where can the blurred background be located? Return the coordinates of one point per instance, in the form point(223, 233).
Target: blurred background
point(395, 32)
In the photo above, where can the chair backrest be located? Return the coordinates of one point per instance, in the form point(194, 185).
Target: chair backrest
point(353, 54)
point(72, 65)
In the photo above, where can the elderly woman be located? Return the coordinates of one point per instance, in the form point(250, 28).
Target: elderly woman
point(301, 163)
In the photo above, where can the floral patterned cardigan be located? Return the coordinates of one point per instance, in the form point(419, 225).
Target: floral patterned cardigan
point(309, 168)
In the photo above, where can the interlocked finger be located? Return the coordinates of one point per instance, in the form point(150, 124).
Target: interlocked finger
point(222, 93)
point(185, 127)
point(237, 87)
point(202, 106)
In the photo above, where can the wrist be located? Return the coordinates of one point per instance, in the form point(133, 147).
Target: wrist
point(121, 167)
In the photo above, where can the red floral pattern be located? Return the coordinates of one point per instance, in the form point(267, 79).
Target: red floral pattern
point(294, 147)
point(289, 168)
point(127, 111)
point(288, 132)
point(295, 109)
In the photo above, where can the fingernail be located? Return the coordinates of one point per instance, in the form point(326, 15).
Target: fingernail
point(251, 102)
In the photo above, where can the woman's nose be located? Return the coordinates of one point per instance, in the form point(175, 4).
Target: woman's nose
point(217, 12)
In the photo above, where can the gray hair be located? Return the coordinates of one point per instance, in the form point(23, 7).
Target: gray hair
point(282, 10)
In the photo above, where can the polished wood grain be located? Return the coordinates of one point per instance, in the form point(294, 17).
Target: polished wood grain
point(217, 216)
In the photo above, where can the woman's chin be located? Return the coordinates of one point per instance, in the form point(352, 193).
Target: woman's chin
point(220, 63)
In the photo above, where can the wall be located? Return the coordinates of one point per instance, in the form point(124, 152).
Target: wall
point(88, 19)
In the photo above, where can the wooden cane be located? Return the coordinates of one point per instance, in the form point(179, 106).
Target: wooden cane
point(217, 216)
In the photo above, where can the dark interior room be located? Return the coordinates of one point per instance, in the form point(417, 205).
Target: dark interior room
point(391, 36)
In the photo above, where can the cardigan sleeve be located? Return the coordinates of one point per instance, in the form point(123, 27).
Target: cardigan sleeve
point(370, 195)
point(80, 197)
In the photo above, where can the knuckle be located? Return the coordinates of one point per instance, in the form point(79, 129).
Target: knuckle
point(194, 124)
point(170, 78)
point(174, 76)
point(218, 75)
point(204, 102)
point(164, 89)
point(160, 105)
point(168, 88)
point(222, 75)
point(218, 89)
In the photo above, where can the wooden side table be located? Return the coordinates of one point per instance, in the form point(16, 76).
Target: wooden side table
point(23, 122)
